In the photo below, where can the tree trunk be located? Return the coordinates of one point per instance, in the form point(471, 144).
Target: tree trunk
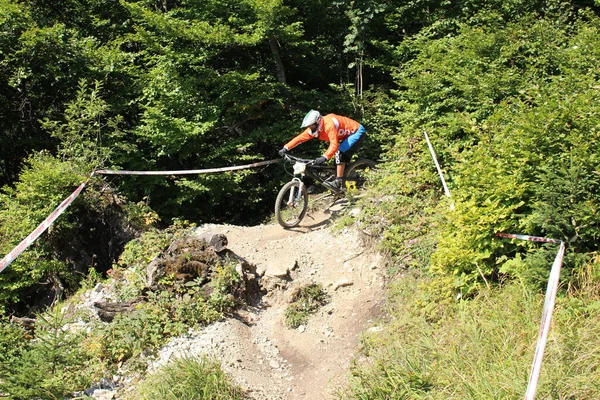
point(274, 45)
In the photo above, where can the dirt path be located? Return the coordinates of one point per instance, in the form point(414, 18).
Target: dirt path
point(259, 352)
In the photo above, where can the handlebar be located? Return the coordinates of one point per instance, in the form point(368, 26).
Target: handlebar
point(288, 157)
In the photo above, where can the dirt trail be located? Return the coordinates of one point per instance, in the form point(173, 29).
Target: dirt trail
point(259, 352)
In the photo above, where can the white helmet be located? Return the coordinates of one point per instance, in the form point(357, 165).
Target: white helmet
point(312, 117)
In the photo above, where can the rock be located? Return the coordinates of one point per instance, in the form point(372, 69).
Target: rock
point(187, 259)
point(260, 270)
point(239, 268)
point(277, 269)
point(103, 394)
point(379, 262)
point(108, 310)
point(153, 272)
point(217, 240)
point(27, 323)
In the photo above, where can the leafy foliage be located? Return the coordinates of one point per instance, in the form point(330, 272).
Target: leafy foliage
point(527, 176)
point(306, 300)
point(42, 187)
point(513, 118)
point(70, 348)
point(52, 365)
point(189, 378)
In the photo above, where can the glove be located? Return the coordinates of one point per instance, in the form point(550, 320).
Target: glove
point(320, 160)
point(282, 152)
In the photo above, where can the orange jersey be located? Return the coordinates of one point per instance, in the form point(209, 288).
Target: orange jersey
point(334, 129)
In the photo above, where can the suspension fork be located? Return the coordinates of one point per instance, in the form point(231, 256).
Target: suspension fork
point(296, 196)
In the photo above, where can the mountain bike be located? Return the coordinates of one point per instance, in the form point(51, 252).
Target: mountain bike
point(292, 201)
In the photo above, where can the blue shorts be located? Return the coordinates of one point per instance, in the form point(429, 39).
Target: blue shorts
point(349, 146)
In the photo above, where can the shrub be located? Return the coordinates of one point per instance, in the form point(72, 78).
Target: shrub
point(188, 379)
point(51, 365)
point(305, 301)
point(170, 311)
point(513, 116)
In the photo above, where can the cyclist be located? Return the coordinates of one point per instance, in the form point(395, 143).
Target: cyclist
point(344, 135)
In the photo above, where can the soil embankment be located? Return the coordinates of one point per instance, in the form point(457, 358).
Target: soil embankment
point(264, 356)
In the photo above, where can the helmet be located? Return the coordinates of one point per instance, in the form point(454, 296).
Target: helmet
point(312, 117)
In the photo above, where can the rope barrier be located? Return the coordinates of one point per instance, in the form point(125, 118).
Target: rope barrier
point(437, 165)
point(25, 243)
point(550, 291)
point(530, 238)
point(186, 172)
point(549, 301)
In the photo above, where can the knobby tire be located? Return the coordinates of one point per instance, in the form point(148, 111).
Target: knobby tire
point(289, 215)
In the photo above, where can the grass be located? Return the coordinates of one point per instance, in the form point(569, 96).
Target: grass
point(480, 349)
point(188, 379)
point(306, 300)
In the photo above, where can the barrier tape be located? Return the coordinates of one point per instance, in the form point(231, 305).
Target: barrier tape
point(186, 172)
point(551, 291)
point(530, 238)
point(25, 243)
point(437, 165)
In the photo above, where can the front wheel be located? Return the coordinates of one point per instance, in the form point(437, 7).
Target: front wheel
point(291, 204)
point(357, 173)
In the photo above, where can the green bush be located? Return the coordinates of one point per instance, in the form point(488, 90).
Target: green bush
point(188, 379)
point(306, 300)
point(161, 314)
point(43, 185)
point(51, 365)
point(513, 116)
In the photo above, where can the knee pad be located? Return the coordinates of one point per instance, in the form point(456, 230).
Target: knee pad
point(342, 158)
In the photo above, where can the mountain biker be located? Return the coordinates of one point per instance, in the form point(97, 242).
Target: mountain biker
point(335, 129)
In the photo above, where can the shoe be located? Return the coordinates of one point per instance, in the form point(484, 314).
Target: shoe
point(337, 186)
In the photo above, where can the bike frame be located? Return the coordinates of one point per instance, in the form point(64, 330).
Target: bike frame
point(291, 204)
point(310, 169)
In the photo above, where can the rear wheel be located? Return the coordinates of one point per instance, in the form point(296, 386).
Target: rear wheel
point(357, 173)
point(291, 204)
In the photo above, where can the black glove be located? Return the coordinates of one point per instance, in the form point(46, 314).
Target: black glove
point(320, 160)
point(282, 152)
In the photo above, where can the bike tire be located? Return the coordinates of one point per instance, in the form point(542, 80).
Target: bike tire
point(289, 214)
point(356, 174)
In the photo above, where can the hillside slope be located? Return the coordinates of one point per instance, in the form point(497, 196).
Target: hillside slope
point(260, 353)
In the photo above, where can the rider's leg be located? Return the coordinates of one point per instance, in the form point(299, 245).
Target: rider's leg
point(345, 152)
point(347, 149)
point(340, 168)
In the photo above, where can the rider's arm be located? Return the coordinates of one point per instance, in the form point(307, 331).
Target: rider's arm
point(333, 142)
point(301, 138)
